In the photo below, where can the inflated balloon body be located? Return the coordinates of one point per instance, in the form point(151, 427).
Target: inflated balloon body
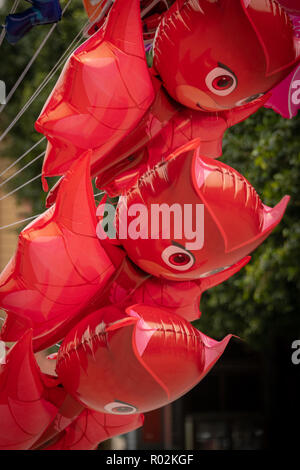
point(227, 198)
point(116, 318)
point(199, 85)
point(35, 408)
point(41, 12)
point(123, 305)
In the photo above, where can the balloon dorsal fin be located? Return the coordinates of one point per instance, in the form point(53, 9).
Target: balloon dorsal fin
point(123, 27)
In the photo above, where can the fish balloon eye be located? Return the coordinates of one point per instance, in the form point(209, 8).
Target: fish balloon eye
point(120, 408)
point(220, 81)
point(178, 258)
point(250, 99)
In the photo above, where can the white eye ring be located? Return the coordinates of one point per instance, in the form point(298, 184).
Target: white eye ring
point(249, 100)
point(120, 408)
point(218, 72)
point(172, 250)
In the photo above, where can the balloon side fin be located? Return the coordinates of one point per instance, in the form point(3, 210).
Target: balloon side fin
point(218, 278)
point(241, 113)
point(213, 351)
point(75, 206)
point(271, 218)
point(273, 215)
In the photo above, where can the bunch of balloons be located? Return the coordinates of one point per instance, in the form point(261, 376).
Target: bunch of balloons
point(121, 301)
point(42, 12)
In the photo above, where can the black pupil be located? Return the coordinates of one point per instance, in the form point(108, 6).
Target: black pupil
point(179, 258)
point(224, 82)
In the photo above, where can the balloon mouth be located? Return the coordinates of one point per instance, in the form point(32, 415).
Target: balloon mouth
point(210, 109)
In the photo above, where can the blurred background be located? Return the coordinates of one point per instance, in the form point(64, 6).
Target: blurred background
point(250, 399)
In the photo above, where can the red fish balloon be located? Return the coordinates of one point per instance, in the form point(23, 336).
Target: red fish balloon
point(125, 351)
point(199, 85)
point(61, 283)
point(182, 297)
point(122, 306)
point(48, 269)
point(108, 109)
point(226, 76)
point(58, 280)
point(37, 413)
point(226, 197)
point(24, 411)
point(89, 374)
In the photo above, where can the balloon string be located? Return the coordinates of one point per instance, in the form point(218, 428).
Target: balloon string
point(23, 168)
point(152, 5)
point(53, 71)
point(108, 4)
point(19, 222)
point(36, 93)
point(22, 156)
point(46, 80)
point(19, 187)
point(13, 9)
point(39, 89)
point(32, 60)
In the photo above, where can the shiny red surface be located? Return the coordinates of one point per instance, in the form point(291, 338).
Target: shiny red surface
point(36, 412)
point(111, 359)
point(200, 44)
point(123, 308)
point(125, 352)
point(24, 411)
point(131, 116)
point(235, 219)
point(85, 112)
point(59, 266)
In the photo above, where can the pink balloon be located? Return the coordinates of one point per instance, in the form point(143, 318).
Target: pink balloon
point(285, 97)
